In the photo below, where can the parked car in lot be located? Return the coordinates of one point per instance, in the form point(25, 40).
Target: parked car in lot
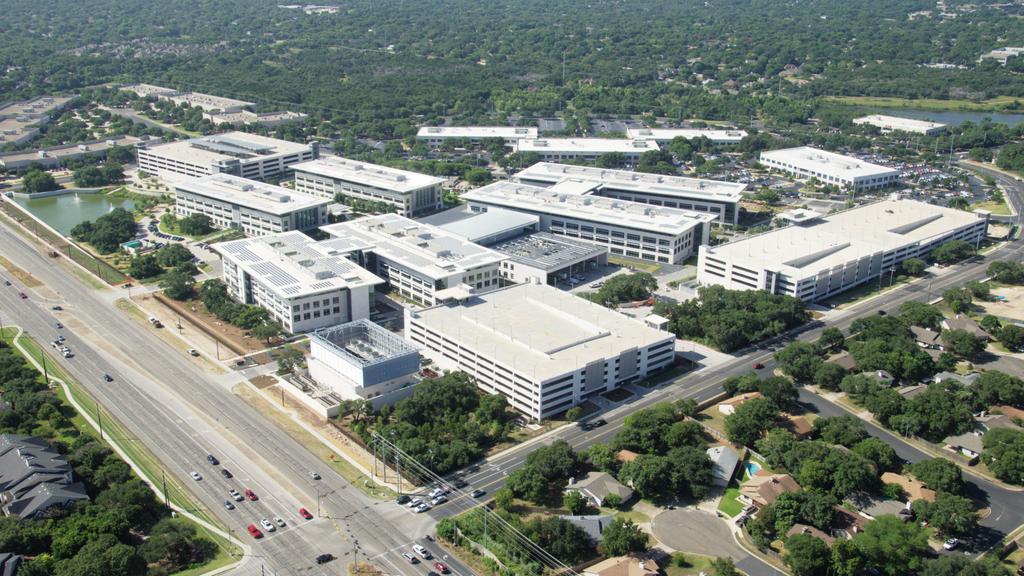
point(415, 502)
point(402, 499)
point(305, 514)
point(950, 544)
point(324, 558)
point(279, 521)
point(422, 508)
point(267, 525)
point(254, 531)
point(106, 377)
point(226, 473)
point(439, 499)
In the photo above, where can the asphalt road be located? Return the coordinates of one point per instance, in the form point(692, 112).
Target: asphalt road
point(181, 413)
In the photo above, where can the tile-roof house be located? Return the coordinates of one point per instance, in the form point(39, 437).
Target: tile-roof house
point(34, 477)
point(623, 566)
point(597, 486)
point(915, 489)
point(926, 338)
point(798, 425)
point(730, 405)
point(764, 487)
point(724, 460)
point(9, 564)
point(961, 322)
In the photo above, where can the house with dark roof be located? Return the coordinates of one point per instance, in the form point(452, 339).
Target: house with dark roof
point(34, 478)
point(593, 525)
point(597, 486)
point(965, 379)
point(962, 322)
point(926, 338)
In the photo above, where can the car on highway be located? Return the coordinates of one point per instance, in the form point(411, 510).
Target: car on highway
point(460, 483)
point(106, 377)
point(251, 495)
point(305, 514)
point(229, 505)
point(758, 366)
point(423, 552)
point(410, 558)
point(314, 475)
point(23, 296)
point(600, 422)
point(440, 567)
point(279, 521)
point(68, 354)
point(951, 544)
point(212, 459)
point(423, 508)
point(439, 491)
point(324, 558)
point(195, 475)
point(226, 473)
point(402, 499)
point(267, 525)
point(193, 352)
point(439, 499)
point(432, 573)
point(57, 308)
point(235, 495)
point(478, 493)
point(59, 325)
point(7, 282)
point(414, 502)
point(254, 531)
point(473, 469)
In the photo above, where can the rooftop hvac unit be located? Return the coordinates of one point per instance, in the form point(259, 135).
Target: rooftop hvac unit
point(400, 177)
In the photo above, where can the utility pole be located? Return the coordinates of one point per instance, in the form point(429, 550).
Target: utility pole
point(163, 480)
point(99, 419)
point(46, 375)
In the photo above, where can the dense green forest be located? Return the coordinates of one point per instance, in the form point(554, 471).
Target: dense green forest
point(380, 67)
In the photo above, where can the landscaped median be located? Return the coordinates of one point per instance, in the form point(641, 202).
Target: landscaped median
point(74, 425)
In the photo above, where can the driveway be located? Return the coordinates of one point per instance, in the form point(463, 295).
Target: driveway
point(700, 532)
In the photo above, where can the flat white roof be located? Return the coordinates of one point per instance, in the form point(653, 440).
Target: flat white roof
point(75, 149)
point(586, 145)
point(251, 194)
point(366, 174)
point(149, 90)
point(480, 225)
point(208, 101)
point(227, 146)
point(429, 250)
point(625, 180)
point(292, 265)
point(804, 250)
point(716, 135)
point(537, 330)
point(609, 211)
point(35, 107)
point(478, 132)
point(898, 123)
point(815, 160)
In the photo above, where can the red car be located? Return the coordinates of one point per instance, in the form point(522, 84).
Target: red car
point(250, 494)
point(254, 531)
point(440, 567)
point(758, 365)
point(305, 514)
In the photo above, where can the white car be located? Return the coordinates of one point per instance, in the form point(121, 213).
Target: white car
point(236, 495)
point(195, 475)
point(439, 499)
point(279, 521)
point(410, 558)
point(436, 492)
point(422, 508)
point(415, 502)
point(422, 552)
point(267, 525)
point(950, 544)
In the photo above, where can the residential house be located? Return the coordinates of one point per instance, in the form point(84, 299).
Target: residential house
point(926, 338)
point(914, 489)
point(844, 360)
point(729, 405)
point(724, 460)
point(989, 421)
point(810, 531)
point(798, 425)
point(623, 566)
point(597, 486)
point(909, 392)
point(34, 478)
point(962, 322)
point(872, 506)
point(968, 444)
point(881, 376)
point(846, 523)
point(964, 379)
point(764, 487)
point(593, 525)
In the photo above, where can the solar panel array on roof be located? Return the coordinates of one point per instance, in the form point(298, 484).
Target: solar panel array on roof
point(274, 274)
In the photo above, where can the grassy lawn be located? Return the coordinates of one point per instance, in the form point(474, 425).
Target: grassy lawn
point(994, 207)
point(713, 419)
point(729, 505)
point(641, 265)
point(695, 564)
point(992, 105)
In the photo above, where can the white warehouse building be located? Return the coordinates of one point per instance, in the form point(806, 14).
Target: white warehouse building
point(435, 136)
point(420, 262)
point(697, 194)
point(590, 149)
point(411, 193)
point(824, 256)
point(255, 208)
point(666, 135)
point(830, 168)
point(898, 124)
point(246, 155)
point(632, 229)
point(304, 285)
point(544, 349)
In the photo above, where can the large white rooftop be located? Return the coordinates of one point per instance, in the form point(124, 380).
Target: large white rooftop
point(716, 135)
point(207, 101)
point(247, 193)
point(229, 145)
point(478, 132)
point(292, 265)
point(593, 208)
point(897, 123)
point(552, 173)
point(429, 250)
point(804, 250)
point(35, 107)
point(537, 330)
point(586, 145)
point(366, 174)
point(815, 160)
point(477, 226)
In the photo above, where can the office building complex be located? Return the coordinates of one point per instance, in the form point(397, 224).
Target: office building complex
point(20, 121)
point(666, 135)
point(555, 149)
point(697, 194)
point(436, 135)
point(207, 102)
point(253, 207)
point(268, 119)
point(55, 156)
point(897, 124)
point(411, 192)
point(655, 233)
point(484, 228)
point(238, 153)
point(830, 168)
point(420, 262)
point(544, 349)
point(821, 257)
point(304, 285)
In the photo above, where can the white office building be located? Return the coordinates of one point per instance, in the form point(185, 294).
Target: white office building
point(435, 136)
point(253, 207)
point(268, 119)
point(246, 155)
point(589, 149)
point(823, 256)
point(411, 193)
point(544, 349)
point(420, 262)
point(698, 194)
point(666, 135)
point(830, 168)
point(206, 102)
point(632, 229)
point(303, 284)
point(20, 121)
point(55, 156)
point(897, 124)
